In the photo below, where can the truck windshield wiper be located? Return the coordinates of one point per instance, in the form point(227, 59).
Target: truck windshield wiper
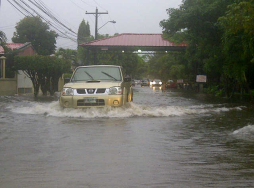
point(89, 75)
point(109, 75)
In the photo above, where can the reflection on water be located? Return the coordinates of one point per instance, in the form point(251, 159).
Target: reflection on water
point(162, 139)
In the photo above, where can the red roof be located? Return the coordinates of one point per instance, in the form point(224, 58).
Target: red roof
point(11, 46)
point(149, 42)
point(132, 39)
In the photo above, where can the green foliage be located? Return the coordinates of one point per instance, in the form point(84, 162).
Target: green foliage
point(195, 23)
point(220, 39)
point(68, 54)
point(168, 66)
point(67, 75)
point(238, 39)
point(3, 37)
point(215, 90)
point(132, 63)
point(9, 69)
point(44, 71)
point(84, 35)
point(34, 30)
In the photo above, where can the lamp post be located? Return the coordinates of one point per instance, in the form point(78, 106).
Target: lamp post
point(96, 13)
point(96, 37)
point(112, 21)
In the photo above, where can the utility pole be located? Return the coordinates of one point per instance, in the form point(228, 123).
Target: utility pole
point(96, 20)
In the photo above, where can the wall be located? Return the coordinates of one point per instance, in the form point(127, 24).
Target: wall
point(24, 84)
point(27, 51)
point(21, 84)
point(8, 86)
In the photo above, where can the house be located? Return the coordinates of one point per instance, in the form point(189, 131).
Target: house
point(20, 83)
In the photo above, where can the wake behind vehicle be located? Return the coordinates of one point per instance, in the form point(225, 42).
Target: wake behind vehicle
point(96, 86)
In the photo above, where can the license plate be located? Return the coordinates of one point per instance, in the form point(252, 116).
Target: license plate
point(90, 100)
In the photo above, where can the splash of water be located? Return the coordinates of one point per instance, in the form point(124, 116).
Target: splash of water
point(245, 133)
point(130, 110)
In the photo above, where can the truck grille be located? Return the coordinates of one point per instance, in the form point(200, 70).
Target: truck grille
point(101, 90)
point(81, 91)
point(99, 102)
point(91, 91)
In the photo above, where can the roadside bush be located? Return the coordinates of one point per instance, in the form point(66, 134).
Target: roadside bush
point(215, 90)
point(44, 71)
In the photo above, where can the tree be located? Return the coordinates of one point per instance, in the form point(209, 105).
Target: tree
point(34, 30)
point(238, 42)
point(130, 62)
point(83, 36)
point(195, 22)
point(44, 71)
point(3, 37)
point(167, 66)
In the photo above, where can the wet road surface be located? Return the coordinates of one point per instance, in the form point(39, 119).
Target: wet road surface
point(162, 139)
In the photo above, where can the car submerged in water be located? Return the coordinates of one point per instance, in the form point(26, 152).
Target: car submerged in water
point(96, 86)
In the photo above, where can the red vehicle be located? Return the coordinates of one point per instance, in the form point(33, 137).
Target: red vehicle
point(171, 84)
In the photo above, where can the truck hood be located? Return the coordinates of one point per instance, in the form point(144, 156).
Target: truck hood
point(85, 84)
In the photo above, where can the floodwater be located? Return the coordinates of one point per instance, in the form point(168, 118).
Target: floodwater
point(162, 139)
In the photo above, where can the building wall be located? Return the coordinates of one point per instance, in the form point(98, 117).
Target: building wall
point(25, 84)
point(21, 84)
point(8, 86)
point(27, 51)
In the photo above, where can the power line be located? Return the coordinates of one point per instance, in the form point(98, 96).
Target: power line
point(47, 21)
point(16, 8)
point(43, 18)
point(48, 13)
point(99, 5)
point(76, 5)
point(96, 20)
point(81, 8)
point(44, 5)
point(23, 8)
point(87, 3)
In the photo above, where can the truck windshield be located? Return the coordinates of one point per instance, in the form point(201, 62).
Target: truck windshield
point(99, 73)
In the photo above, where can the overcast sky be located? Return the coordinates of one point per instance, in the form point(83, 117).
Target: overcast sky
point(131, 16)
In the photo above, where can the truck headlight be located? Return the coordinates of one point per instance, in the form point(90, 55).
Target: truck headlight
point(160, 83)
point(115, 91)
point(67, 91)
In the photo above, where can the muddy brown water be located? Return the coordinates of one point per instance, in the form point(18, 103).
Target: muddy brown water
point(162, 139)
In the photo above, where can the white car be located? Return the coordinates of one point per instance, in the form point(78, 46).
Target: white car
point(156, 82)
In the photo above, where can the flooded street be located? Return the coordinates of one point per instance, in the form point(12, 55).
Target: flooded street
point(162, 139)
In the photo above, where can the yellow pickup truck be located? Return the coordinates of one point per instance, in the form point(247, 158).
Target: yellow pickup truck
point(96, 86)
